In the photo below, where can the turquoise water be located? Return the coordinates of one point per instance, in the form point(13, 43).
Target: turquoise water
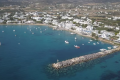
point(24, 56)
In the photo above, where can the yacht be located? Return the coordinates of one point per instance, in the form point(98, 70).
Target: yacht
point(66, 42)
point(76, 46)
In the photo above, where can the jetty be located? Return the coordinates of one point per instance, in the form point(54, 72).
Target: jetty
point(84, 58)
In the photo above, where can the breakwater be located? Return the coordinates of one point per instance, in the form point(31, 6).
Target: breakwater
point(84, 58)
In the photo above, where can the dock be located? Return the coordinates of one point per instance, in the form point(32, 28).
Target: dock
point(83, 58)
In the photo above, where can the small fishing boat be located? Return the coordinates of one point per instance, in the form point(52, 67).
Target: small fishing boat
point(102, 49)
point(72, 33)
point(97, 42)
point(76, 46)
point(19, 43)
point(2, 31)
point(40, 31)
point(75, 38)
point(109, 47)
point(66, 42)
point(90, 40)
point(14, 30)
point(32, 32)
point(82, 44)
point(94, 44)
point(115, 47)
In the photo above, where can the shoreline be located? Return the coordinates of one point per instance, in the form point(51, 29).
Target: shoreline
point(76, 32)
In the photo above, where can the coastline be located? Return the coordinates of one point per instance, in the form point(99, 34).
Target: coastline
point(76, 32)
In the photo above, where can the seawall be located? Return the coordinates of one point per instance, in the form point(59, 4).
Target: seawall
point(84, 58)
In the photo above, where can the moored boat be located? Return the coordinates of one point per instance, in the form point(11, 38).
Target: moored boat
point(72, 33)
point(66, 42)
point(102, 49)
point(76, 46)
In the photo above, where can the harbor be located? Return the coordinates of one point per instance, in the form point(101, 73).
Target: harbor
point(84, 58)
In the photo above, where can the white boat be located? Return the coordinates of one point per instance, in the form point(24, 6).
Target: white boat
point(0, 43)
point(24, 32)
point(2, 31)
point(32, 32)
point(36, 28)
point(90, 40)
point(76, 46)
point(40, 31)
point(14, 30)
point(94, 43)
point(30, 29)
point(19, 43)
point(82, 44)
point(115, 47)
point(102, 49)
point(109, 47)
point(66, 42)
point(97, 42)
point(75, 38)
point(72, 33)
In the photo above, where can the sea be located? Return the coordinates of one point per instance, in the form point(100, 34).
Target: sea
point(27, 52)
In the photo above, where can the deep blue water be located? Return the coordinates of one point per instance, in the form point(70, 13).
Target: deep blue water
point(23, 55)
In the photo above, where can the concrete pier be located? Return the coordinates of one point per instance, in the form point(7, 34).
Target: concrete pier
point(84, 58)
